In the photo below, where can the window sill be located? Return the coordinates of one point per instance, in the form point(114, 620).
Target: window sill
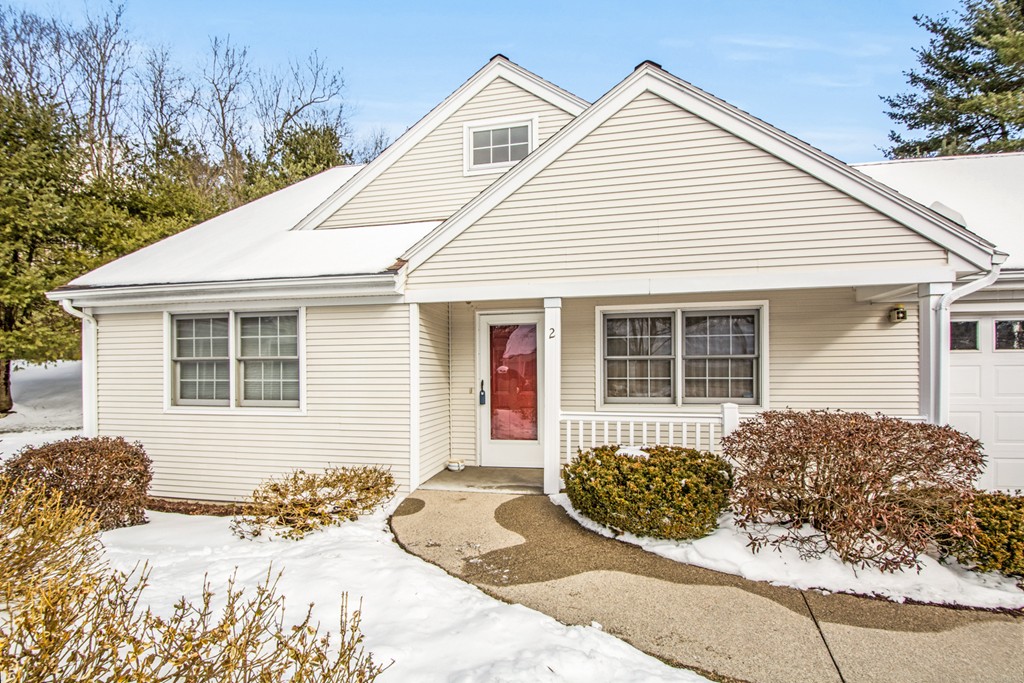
point(490, 169)
point(237, 410)
point(673, 409)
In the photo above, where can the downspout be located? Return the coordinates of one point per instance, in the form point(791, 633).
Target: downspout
point(90, 419)
point(942, 320)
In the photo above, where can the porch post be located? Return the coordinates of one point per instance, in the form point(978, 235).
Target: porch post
point(933, 336)
point(414, 396)
point(552, 393)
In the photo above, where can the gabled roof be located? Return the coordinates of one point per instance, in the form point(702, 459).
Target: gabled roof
point(986, 189)
point(256, 242)
point(649, 77)
point(498, 67)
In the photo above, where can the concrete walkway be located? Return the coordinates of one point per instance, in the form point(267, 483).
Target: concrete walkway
point(523, 548)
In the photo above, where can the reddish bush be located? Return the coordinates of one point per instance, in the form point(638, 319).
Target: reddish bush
point(877, 490)
point(106, 475)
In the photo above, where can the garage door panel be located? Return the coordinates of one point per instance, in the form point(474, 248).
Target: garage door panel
point(965, 381)
point(965, 421)
point(1007, 474)
point(1009, 428)
point(1009, 381)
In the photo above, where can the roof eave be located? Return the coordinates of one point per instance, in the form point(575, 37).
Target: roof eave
point(322, 287)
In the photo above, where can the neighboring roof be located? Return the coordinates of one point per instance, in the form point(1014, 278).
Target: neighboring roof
point(256, 241)
point(498, 67)
point(649, 77)
point(986, 189)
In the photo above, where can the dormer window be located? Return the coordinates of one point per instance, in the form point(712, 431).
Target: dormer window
point(497, 145)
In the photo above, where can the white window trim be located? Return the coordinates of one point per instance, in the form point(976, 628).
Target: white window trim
point(978, 334)
point(761, 306)
point(468, 169)
point(992, 329)
point(234, 406)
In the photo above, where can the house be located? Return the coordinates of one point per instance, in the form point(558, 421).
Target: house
point(986, 380)
point(519, 274)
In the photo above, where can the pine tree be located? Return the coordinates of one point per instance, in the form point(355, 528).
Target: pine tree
point(52, 228)
point(968, 92)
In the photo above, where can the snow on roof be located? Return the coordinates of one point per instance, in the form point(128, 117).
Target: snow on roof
point(986, 189)
point(256, 241)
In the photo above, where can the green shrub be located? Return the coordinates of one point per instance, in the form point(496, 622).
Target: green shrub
point(106, 475)
point(998, 544)
point(300, 502)
point(66, 616)
point(877, 490)
point(675, 493)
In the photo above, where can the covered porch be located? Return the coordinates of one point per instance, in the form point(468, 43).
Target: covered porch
point(483, 399)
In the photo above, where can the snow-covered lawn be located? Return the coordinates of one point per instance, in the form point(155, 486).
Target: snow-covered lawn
point(434, 627)
point(46, 397)
point(726, 551)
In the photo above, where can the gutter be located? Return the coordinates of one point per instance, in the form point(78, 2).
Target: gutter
point(940, 397)
point(90, 418)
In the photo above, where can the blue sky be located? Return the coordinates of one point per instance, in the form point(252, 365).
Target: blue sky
point(814, 69)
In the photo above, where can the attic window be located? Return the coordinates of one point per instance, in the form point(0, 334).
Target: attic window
point(494, 145)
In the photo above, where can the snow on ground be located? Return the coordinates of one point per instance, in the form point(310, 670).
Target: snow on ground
point(12, 442)
point(434, 627)
point(45, 397)
point(726, 551)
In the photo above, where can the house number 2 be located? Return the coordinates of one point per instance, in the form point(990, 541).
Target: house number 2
point(551, 333)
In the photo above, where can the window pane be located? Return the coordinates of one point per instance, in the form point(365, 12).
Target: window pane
point(742, 367)
point(696, 346)
point(742, 388)
point(718, 388)
point(204, 348)
point(616, 347)
point(661, 368)
point(696, 388)
point(696, 325)
point(250, 346)
point(617, 388)
point(185, 328)
point(661, 388)
point(499, 136)
point(288, 325)
point(482, 156)
point(519, 152)
point(1009, 335)
point(718, 368)
point(639, 346)
point(519, 134)
point(743, 324)
point(289, 346)
point(719, 346)
point(638, 388)
point(743, 345)
point(719, 324)
point(615, 368)
point(615, 327)
point(481, 138)
point(185, 348)
point(499, 155)
point(963, 335)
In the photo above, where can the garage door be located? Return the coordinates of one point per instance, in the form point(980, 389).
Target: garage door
point(987, 391)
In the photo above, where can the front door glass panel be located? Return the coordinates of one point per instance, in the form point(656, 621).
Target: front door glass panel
point(513, 369)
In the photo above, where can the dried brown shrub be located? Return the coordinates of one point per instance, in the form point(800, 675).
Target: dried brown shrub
point(106, 475)
point(877, 490)
point(301, 502)
point(674, 492)
point(66, 616)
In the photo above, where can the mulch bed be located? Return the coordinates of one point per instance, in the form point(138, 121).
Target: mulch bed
point(191, 507)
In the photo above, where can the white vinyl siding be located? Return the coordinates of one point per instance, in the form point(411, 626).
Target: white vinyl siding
point(429, 182)
point(657, 191)
point(435, 389)
point(357, 405)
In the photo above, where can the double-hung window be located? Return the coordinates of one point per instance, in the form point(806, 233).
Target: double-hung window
point(236, 359)
point(681, 356)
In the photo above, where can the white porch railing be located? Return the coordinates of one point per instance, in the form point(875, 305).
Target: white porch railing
point(701, 431)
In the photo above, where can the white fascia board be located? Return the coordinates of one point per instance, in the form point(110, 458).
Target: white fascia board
point(246, 290)
point(752, 282)
point(498, 67)
point(816, 163)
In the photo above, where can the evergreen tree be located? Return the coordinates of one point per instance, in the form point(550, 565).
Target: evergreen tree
point(52, 228)
point(968, 92)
